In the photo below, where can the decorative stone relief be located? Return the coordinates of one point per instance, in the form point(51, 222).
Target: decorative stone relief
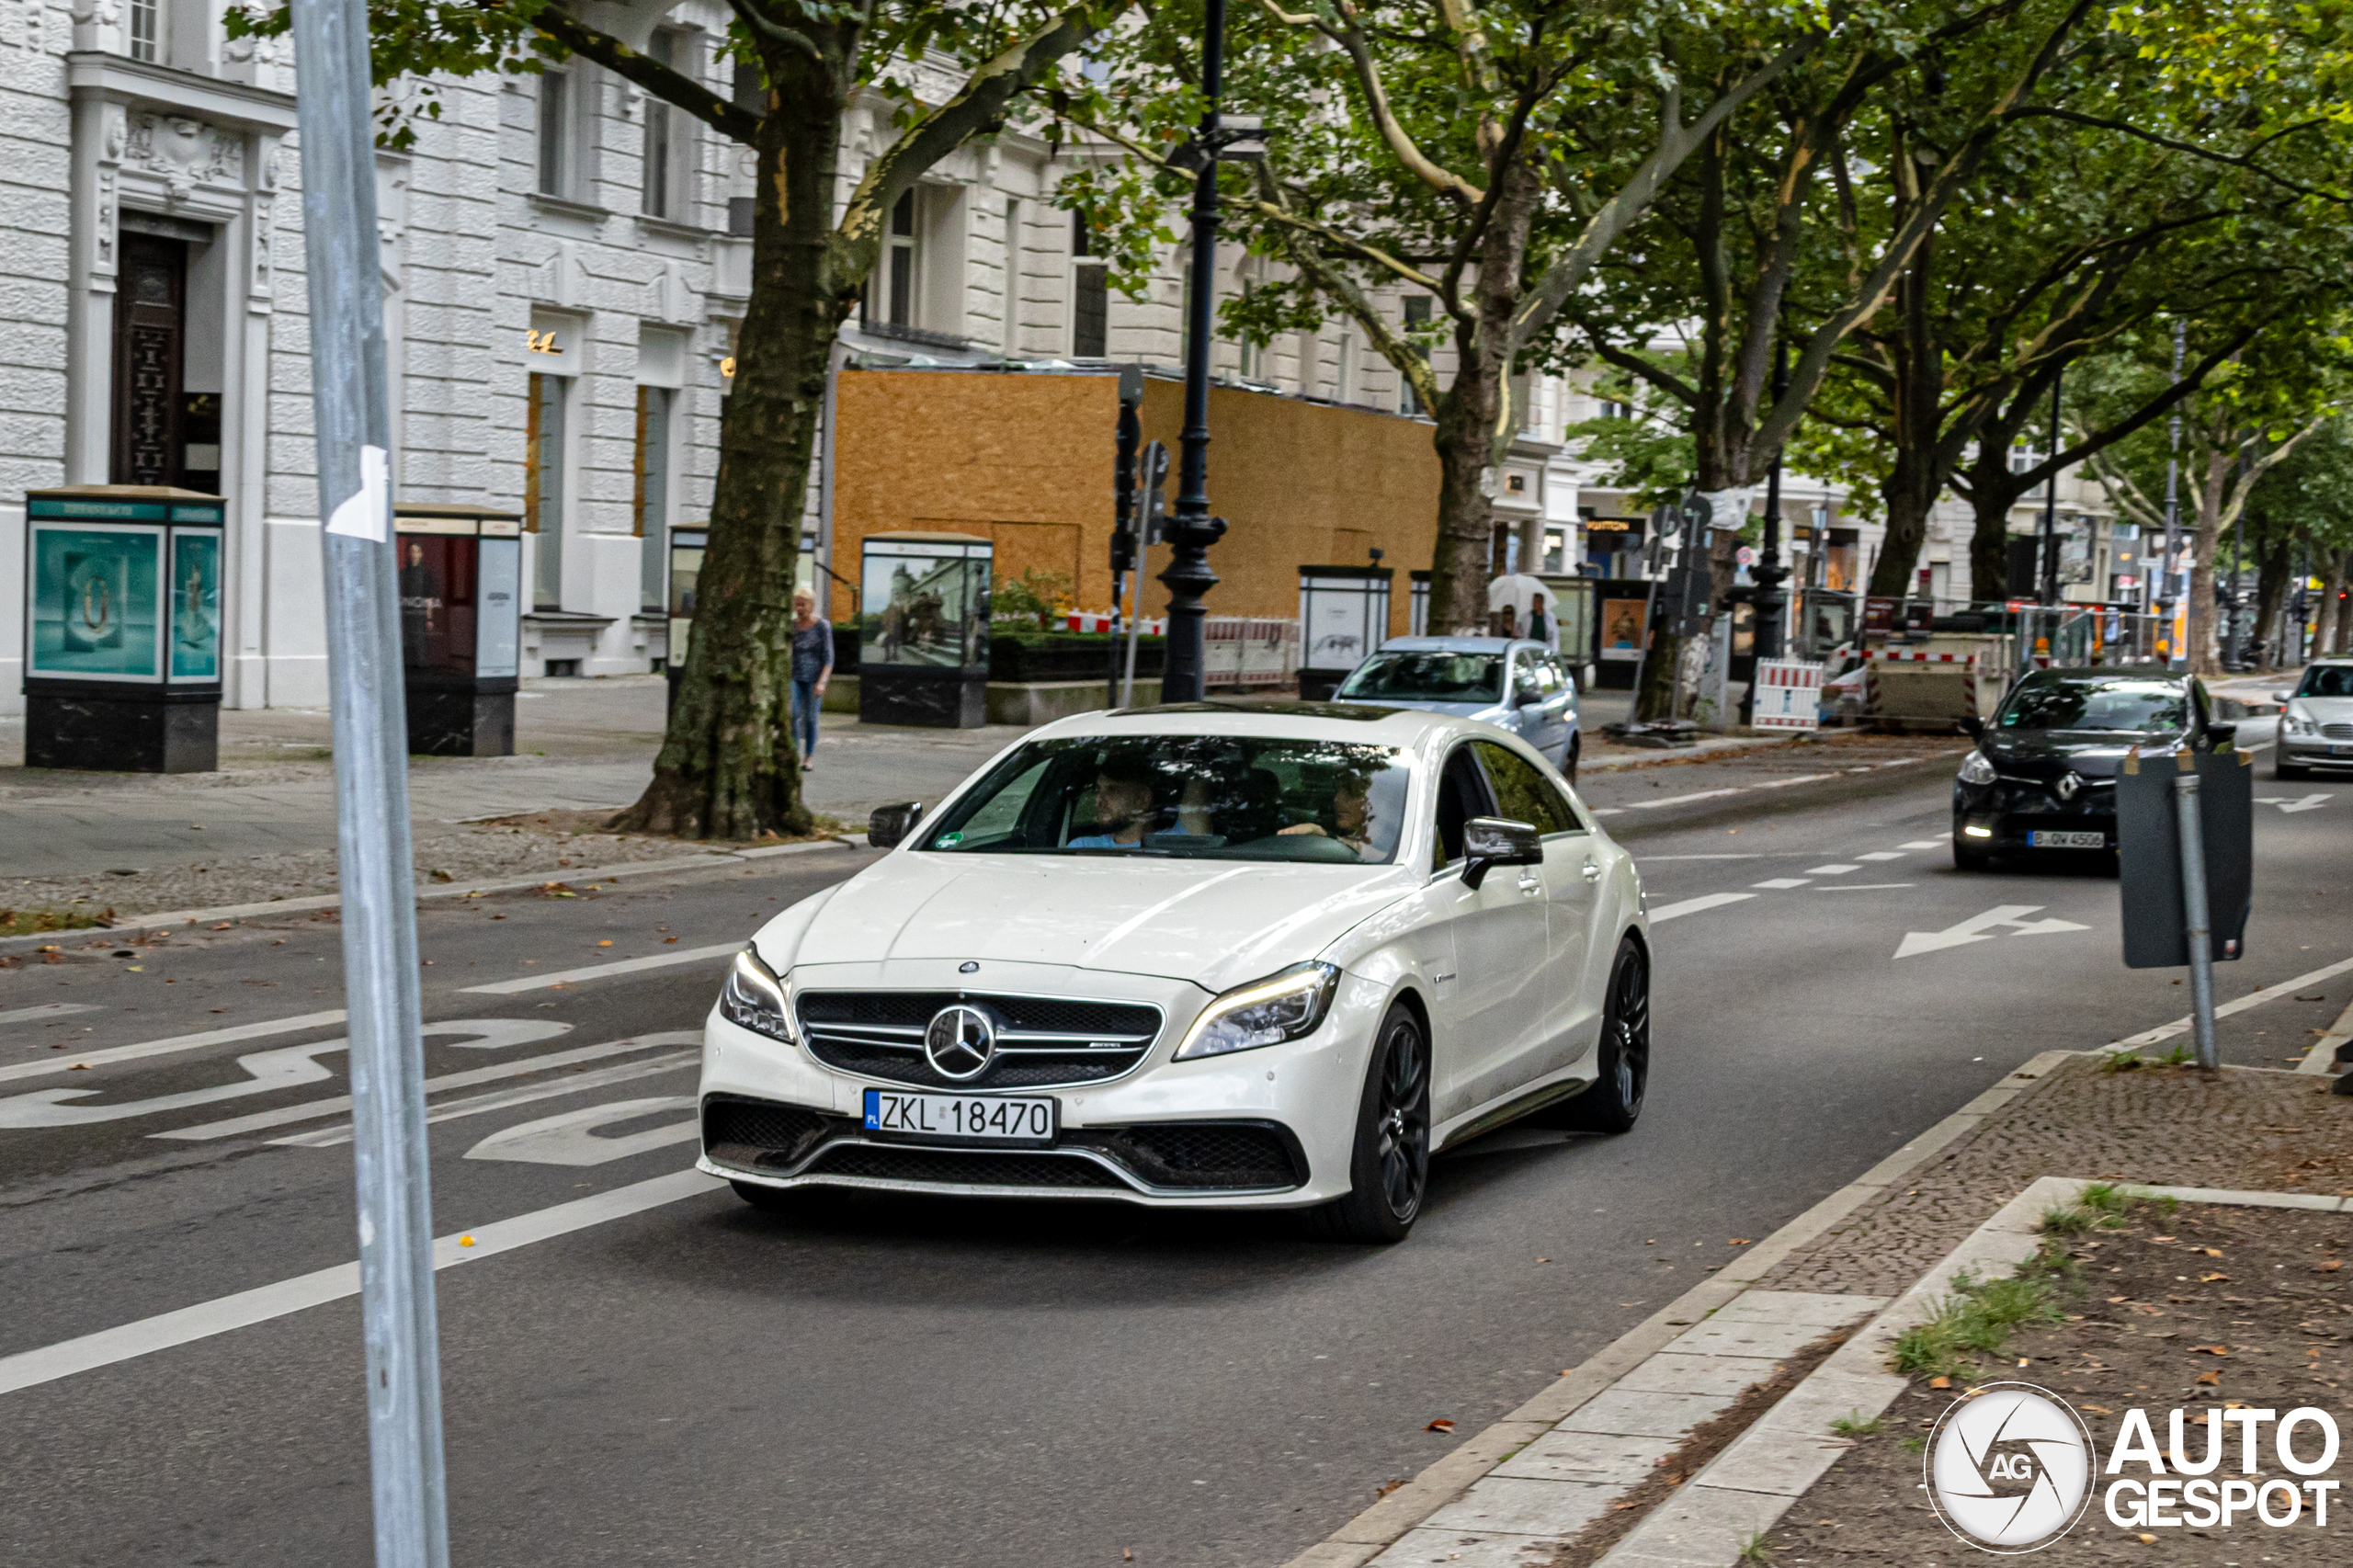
point(185, 153)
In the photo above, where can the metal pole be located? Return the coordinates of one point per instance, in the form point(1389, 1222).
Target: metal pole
point(2050, 595)
point(2195, 920)
point(1770, 604)
point(1191, 530)
point(380, 967)
point(1123, 520)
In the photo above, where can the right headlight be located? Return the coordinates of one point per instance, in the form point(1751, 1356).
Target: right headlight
point(1975, 769)
point(1287, 1005)
point(2296, 723)
point(752, 998)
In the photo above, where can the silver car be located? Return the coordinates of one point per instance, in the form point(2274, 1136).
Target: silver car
point(1512, 684)
point(2317, 731)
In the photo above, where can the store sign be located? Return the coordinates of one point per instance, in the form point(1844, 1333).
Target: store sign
point(541, 341)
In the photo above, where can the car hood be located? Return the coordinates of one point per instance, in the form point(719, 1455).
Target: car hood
point(1486, 712)
point(2325, 710)
point(1215, 922)
point(2052, 752)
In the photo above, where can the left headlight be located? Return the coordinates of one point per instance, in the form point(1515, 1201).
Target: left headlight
point(752, 998)
point(1285, 1006)
point(1975, 769)
point(2295, 723)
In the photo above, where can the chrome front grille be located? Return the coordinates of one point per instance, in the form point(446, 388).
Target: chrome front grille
point(2337, 732)
point(1042, 1042)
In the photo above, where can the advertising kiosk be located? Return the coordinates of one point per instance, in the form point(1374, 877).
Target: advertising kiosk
point(923, 623)
point(461, 622)
point(1343, 616)
point(122, 629)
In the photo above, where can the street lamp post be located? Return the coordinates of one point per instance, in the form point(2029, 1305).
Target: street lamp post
point(2050, 594)
point(2179, 655)
point(1191, 530)
point(1768, 573)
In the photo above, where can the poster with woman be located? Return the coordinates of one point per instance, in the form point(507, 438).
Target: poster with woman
point(94, 601)
point(196, 606)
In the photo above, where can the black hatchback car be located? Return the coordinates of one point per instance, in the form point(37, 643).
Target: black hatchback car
point(2043, 775)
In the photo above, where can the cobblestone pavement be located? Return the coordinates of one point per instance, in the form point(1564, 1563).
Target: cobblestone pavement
point(2242, 1129)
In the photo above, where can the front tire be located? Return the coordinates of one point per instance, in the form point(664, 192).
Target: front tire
point(2283, 771)
point(1389, 1166)
point(1569, 760)
point(1615, 1102)
point(1968, 857)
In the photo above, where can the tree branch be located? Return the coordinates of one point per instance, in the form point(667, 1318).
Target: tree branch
point(2101, 122)
point(670, 87)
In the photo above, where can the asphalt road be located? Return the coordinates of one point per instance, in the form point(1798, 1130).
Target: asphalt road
point(910, 1384)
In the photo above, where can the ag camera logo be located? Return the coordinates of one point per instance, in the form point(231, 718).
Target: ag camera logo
point(2009, 1468)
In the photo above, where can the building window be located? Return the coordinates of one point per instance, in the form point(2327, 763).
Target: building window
point(1013, 253)
point(147, 30)
point(544, 487)
point(891, 293)
point(1090, 295)
point(657, 195)
point(555, 132)
point(650, 498)
point(1416, 316)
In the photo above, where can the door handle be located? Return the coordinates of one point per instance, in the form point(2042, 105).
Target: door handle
point(1529, 884)
point(1592, 871)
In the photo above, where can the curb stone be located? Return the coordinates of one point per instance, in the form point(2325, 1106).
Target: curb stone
point(705, 860)
point(1385, 1525)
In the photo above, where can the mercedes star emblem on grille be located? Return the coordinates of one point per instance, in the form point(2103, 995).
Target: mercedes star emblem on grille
point(959, 1044)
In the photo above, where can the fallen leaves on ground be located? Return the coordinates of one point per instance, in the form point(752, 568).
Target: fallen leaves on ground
point(1440, 1427)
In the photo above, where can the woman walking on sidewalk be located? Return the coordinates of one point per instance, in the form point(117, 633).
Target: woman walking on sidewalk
point(812, 666)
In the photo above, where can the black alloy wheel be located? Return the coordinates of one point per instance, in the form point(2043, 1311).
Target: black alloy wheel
point(1615, 1102)
point(1388, 1169)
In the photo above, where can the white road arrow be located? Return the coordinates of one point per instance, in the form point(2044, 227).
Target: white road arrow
point(1979, 929)
point(569, 1139)
point(2307, 803)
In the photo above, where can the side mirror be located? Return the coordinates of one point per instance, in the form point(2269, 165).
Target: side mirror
point(1972, 726)
point(1489, 842)
point(1525, 697)
point(2221, 734)
point(890, 825)
point(2282, 696)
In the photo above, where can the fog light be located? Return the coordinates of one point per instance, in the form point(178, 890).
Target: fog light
point(1977, 832)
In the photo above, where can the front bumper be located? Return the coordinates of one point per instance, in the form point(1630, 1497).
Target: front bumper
point(1270, 1127)
point(2315, 751)
point(2006, 813)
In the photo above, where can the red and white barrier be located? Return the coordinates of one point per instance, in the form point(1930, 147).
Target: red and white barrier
point(1788, 695)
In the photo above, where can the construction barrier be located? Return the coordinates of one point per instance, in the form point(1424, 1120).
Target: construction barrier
point(1788, 695)
point(1248, 652)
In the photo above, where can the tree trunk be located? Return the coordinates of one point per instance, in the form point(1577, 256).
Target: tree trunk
point(1467, 417)
point(2329, 634)
point(729, 767)
point(2205, 657)
point(1918, 477)
point(2271, 574)
point(1911, 495)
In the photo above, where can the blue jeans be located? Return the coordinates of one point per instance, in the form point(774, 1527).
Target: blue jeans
point(805, 703)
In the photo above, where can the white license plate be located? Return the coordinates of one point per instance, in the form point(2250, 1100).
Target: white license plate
point(2067, 840)
point(968, 1118)
point(2340, 748)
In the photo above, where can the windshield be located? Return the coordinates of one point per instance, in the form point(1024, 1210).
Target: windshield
point(1199, 797)
point(2141, 707)
point(1428, 677)
point(2328, 680)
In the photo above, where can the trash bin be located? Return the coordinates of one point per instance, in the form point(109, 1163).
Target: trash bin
point(122, 628)
point(461, 593)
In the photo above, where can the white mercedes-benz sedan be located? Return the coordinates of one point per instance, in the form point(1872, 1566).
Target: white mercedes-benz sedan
point(1201, 955)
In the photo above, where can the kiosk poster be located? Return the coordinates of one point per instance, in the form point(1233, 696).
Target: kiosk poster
point(1622, 629)
point(94, 601)
point(195, 607)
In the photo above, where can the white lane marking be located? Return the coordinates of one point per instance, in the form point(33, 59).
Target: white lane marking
point(1694, 905)
point(1866, 887)
point(1780, 883)
point(267, 1071)
point(2322, 1058)
point(499, 1099)
point(1681, 799)
point(1923, 843)
point(311, 1110)
point(1606, 811)
point(1980, 928)
point(1801, 778)
point(32, 1368)
point(2252, 999)
point(566, 1140)
point(1646, 859)
point(1881, 855)
point(48, 1010)
point(173, 1044)
point(1831, 870)
point(2305, 803)
point(599, 971)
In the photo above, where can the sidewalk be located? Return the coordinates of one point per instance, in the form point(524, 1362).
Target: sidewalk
point(263, 828)
point(1690, 1442)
